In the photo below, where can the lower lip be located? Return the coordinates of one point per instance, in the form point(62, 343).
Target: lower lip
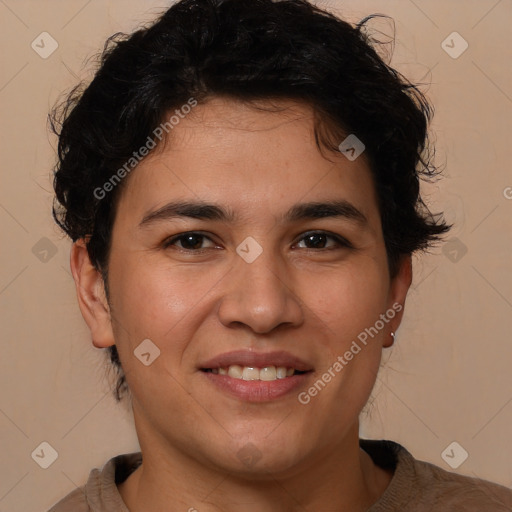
point(257, 390)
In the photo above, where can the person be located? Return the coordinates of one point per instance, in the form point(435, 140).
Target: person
point(241, 183)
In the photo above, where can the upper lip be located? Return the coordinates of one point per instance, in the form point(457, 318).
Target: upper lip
point(256, 359)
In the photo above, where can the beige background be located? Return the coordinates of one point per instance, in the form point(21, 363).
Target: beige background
point(448, 377)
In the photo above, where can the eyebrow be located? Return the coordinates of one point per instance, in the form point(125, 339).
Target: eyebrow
point(208, 211)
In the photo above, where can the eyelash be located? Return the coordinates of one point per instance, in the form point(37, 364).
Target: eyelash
point(341, 242)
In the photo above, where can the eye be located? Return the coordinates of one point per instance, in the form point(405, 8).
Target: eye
point(319, 239)
point(191, 241)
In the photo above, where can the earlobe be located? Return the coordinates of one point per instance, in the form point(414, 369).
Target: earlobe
point(399, 287)
point(389, 342)
point(91, 295)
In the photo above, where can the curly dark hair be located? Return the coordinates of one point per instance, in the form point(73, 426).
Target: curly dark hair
point(246, 50)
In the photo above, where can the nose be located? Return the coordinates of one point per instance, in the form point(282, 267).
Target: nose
point(260, 296)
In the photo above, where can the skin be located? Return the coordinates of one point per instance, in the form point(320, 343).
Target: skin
point(311, 302)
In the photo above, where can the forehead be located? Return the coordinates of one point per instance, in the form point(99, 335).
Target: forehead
point(254, 158)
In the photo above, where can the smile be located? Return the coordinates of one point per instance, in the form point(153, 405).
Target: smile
point(267, 373)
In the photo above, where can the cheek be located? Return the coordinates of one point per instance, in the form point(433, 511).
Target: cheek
point(347, 301)
point(346, 305)
point(157, 301)
point(150, 295)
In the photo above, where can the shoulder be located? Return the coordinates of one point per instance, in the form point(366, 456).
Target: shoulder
point(421, 486)
point(74, 502)
point(100, 493)
point(467, 493)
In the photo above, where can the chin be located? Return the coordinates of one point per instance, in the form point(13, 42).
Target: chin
point(259, 458)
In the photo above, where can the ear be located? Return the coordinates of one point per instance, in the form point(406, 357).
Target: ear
point(397, 293)
point(91, 295)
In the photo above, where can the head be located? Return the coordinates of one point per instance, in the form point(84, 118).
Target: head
point(240, 107)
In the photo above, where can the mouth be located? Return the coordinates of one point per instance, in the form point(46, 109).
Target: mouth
point(267, 373)
point(256, 377)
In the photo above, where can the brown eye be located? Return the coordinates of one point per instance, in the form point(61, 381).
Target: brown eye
point(188, 241)
point(319, 240)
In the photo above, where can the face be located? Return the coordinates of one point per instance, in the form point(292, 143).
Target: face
point(261, 281)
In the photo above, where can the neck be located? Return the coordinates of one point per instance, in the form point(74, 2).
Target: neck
point(343, 478)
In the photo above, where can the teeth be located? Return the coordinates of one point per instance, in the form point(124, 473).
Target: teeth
point(235, 371)
point(281, 372)
point(267, 373)
point(249, 373)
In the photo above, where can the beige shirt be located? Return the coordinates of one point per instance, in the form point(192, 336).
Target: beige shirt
point(416, 486)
